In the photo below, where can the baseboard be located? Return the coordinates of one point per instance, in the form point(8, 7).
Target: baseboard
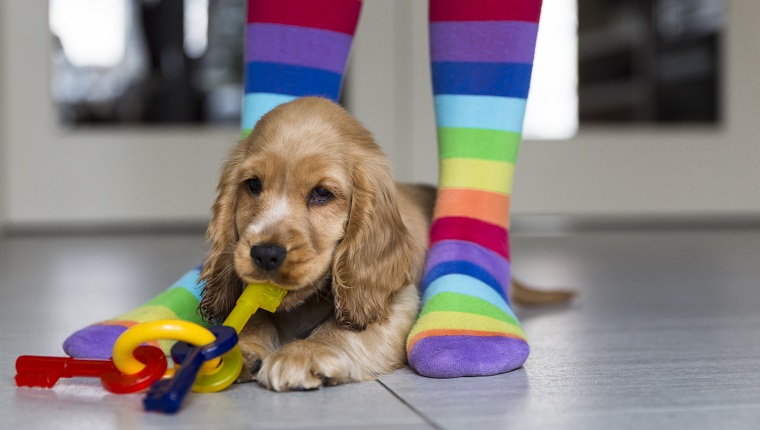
point(529, 225)
point(106, 228)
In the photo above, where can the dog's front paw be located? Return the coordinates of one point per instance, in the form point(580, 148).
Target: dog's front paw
point(251, 366)
point(303, 365)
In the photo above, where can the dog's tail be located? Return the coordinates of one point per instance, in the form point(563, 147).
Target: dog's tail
point(524, 295)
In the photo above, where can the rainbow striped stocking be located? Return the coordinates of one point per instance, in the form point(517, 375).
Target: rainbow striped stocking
point(482, 55)
point(293, 48)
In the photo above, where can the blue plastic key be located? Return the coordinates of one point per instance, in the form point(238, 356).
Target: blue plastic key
point(167, 395)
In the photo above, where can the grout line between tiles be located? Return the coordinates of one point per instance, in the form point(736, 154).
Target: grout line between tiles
point(409, 405)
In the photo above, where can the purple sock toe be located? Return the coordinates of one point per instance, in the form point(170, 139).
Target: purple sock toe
point(456, 356)
point(95, 341)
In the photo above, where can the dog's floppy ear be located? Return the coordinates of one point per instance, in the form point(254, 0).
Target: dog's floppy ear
point(222, 285)
point(375, 259)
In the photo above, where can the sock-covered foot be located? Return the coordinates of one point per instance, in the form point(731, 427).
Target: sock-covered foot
point(482, 54)
point(180, 301)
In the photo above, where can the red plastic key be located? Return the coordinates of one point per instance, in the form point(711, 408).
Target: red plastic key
point(38, 371)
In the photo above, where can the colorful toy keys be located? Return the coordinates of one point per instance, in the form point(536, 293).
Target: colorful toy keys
point(134, 367)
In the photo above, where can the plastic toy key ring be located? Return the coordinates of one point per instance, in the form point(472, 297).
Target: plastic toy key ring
point(161, 329)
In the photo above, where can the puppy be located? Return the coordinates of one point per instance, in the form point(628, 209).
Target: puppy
point(308, 202)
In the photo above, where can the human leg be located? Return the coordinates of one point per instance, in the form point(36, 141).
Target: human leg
point(482, 54)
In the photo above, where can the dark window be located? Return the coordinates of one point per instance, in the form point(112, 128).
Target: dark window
point(649, 60)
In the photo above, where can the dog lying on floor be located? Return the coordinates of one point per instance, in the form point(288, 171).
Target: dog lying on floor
point(308, 202)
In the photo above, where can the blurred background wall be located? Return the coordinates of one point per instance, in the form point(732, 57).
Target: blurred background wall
point(638, 108)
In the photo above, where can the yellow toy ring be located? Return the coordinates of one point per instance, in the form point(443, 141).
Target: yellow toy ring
point(232, 365)
point(161, 329)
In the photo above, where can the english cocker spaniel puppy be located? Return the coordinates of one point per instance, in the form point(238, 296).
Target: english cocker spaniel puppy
point(308, 202)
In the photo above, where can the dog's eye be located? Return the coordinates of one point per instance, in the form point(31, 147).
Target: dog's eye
point(254, 186)
point(320, 195)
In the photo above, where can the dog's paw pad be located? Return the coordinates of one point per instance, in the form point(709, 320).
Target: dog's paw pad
point(255, 367)
point(326, 380)
point(250, 371)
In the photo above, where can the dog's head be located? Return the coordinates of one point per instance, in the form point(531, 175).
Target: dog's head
point(308, 198)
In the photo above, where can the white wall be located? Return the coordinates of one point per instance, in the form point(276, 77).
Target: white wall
point(117, 175)
point(3, 154)
point(97, 175)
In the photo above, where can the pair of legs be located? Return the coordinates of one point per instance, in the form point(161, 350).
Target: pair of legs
point(481, 61)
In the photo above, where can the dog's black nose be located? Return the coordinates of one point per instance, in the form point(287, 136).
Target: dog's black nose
point(268, 257)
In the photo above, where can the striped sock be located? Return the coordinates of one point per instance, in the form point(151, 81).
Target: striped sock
point(180, 301)
point(482, 55)
point(295, 48)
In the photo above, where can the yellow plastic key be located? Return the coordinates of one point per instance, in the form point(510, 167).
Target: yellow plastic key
point(264, 296)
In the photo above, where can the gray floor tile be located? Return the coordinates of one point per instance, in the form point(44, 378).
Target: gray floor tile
point(52, 286)
point(77, 404)
point(665, 335)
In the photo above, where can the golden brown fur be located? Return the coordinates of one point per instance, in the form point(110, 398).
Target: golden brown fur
point(352, 261)
point(351, 265)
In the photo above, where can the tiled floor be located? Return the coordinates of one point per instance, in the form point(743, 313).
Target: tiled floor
point(665, 335)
